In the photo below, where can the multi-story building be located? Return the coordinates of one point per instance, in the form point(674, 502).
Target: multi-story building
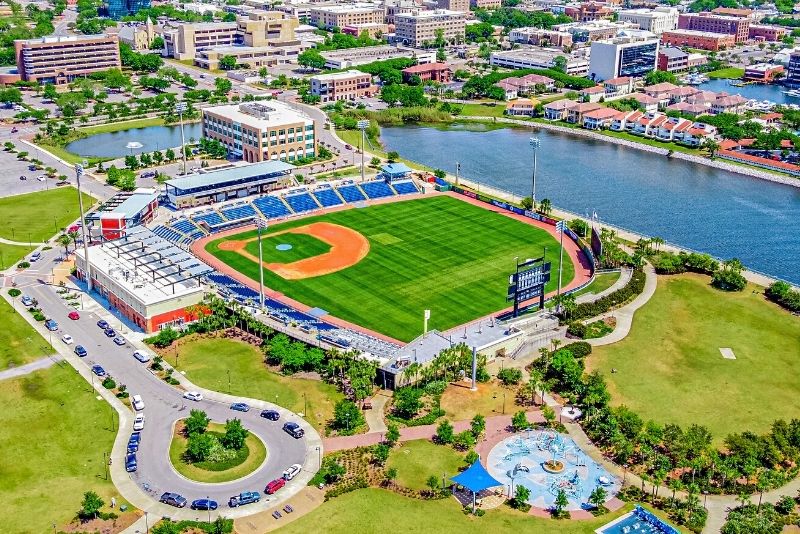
point(697, 39)
point(708, 22)
point(437, 72)
point(374, 30)
point(538, 58)
point(183, 41)
point(793, 70)
point(540, 37)
point(342, 15)
point(671, 59)
point(486, 4)
point(254, 57)
point(61, 59)
point(260, 131)
point(396, 7)
point(584, 32)
point(589, 11)
point(632, 55)
point(353, 57)
point(421, 27)
point(453, 5)
point(656, 20)
point(263, 28)
point(763, 32)
point(347, 85)
point(762, 72)
point(120, 8)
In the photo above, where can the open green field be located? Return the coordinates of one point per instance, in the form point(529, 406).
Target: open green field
point(209, 362)
point(728, 72)
point(417, 460)
point(39, 216)
point(19, 342)
point(601, 282)
point(374, 511)
point(54, 433)
point(437, 253)
point(670, 370)
point(303, 246)
point(250, 458)
point(12, 254)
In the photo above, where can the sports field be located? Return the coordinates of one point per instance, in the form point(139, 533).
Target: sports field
point(436, 253)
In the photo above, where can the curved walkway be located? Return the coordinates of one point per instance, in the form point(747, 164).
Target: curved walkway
point(36, 365)
point(20, 243)
point(624, 315)
point(624, 277)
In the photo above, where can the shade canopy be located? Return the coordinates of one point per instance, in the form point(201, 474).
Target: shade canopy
point(476, 478)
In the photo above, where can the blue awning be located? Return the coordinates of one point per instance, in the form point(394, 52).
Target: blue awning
point(476, 478)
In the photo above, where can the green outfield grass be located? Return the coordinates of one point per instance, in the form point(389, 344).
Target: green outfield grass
point(39, 216)
point(303, 246)
point(670, 370)
point(437, 253)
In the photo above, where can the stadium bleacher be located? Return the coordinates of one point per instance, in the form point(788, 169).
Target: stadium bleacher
point(377, 189)
point(351, 193)
point(405, 187)
point(327, 197)
point(239, 212)
point(271, 207)
point(211, 218)
point(301, 203)
point(168, 233)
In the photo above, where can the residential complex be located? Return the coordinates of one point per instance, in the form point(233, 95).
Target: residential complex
point(419, 28)
point(656, 20)
point(453, 5)
point(437, 72)
point(60, 59)
point(697, 39)
point(632, 55)
point(342, 15)
point(708, 22)
point(257, 131)
point(347, 85)
point(486, 4)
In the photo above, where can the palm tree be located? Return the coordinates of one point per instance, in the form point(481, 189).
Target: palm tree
point(657, 241)
point(64, 240)
point(73, 235)
point(711, 146)
point(535, 382)
point(545, 207)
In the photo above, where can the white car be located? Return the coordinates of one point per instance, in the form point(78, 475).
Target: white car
point(138, 403)
point(142, 356)
point(138, 423)
point(193, 395)
point(66, 338)
point(292, 472)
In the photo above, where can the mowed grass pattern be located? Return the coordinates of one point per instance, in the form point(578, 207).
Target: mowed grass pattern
point(437, 253)
point(670, 370)
point(303, 246)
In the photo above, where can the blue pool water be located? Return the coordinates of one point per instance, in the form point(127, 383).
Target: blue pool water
point(519, 460)
point(639, 521)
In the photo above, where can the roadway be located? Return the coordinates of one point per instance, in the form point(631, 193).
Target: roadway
point(164, 406)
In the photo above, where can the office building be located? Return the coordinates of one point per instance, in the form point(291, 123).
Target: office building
point(793, 70)
point(264, 28)
point(61, 59)
point(120, 8)
point(540, 37)
point(342, 15)
point(697, 39)
point(374, 30)
point(762, 72)
point(453, 5)
point(420, 28)
point(656, 20)
point(585, 32)
point(183, 41)
point(486, 4)
point(353, 57)
point(348, 85)
point(436, 72)
point(763, 32)
point(631, 55)
point(538, 58)
point(260, 131)
point(671, 59)
point(708, 22)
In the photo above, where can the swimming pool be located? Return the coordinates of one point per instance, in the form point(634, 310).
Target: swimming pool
point(639, 521)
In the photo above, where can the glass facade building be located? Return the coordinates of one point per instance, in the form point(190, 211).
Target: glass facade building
point(120, 8)
point(638, 60)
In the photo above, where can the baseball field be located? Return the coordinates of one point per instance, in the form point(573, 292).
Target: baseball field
point(380, 266)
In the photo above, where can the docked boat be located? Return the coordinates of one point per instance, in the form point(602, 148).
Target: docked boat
point(793, 93)
point(696, 79)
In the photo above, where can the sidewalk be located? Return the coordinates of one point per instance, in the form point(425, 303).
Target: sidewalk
point(624, 277)
point(36, 365)
point(624, 315)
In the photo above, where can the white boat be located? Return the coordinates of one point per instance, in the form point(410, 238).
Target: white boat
point(793, 93)
point(696, 79)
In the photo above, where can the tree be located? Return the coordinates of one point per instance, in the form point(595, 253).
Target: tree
point(729, 276)
point(660, 76)
point(526, 203)
point(549, 415)
point(432, 483)
point(393, 156)
point(520, 421)
point(444, 432)
point(380, 453)
point(50, 92)
point(169, 155)
point(131, 162)
point(521, 496)
point(235, 434)
point(711, 146)
point(464, 440)
point(263, 72)
point(158, 43)
point(598, 497)
point(509, 376)
point(347, 416)
point(561, 502)
point(199, 447)
point(407, 402)
point(545, 207)
point(90, 505)
point(477, 425)
point(197, 422)
point(222, 86)
point(390, 475)
point(311, 59)
point(560, 63)
point(64, 240)
point(392, 434)
point(227, 63)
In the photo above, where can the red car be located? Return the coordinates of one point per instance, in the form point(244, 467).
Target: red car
point(74, 315)
point(274, 486)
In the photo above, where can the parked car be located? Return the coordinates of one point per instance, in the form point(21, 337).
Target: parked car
point(272, 415)
point(51, 325)
point(141, 355)
point(240, 407)
point(204, 504)
point(173, 499)
point(102, 324)
point(66, 338)
point(138, 422)
point(246, 497)
point(35, 256)
point(137, 402)
point(133, 444)
point(27, 301)
point(193, 396)
point(98, 370)
point(119, 340)
point(294, 430)
point(130, 462)
point(292, 471)
point(74, 315)
point(109, 332)
point(80, 351)
point(274, 486)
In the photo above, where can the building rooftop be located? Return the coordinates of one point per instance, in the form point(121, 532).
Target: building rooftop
point(135, 203)
point(62, 39)
point(429, 14)
point(672, 52)
point(237, 172)
point(260, 114)
point(426, 67)
point(698, 33)
point(346, 75)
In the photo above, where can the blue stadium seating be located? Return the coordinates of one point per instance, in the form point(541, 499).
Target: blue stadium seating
point(271, 207)
point(212, 219)
point(302, 202)
point(327, 197)
point(351, 193)
point(167, 233)
point(184, 226)
point(405, 187)
point(240, 211)
point(377, 189)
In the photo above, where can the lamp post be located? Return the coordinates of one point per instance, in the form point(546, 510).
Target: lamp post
point(560, 228)
point(209, 509)
point(535, 145)
point(78, 174)
point(261, 224)
point(179, 109)
point(319, 458)
point(362, 125)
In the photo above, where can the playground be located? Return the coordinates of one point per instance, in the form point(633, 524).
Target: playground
point(547, 462)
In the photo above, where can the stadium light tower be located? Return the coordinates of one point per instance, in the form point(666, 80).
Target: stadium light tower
point(78, 174)
point(535, 145)
point(180, 108)
point(362, 125)
point(261, 224)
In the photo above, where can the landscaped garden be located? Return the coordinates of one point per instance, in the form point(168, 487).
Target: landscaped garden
point(416, 461)
point(37, 217)
point(213, 452)
point(19, 343)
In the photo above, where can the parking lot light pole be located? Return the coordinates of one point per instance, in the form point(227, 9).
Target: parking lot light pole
point(535, 145)
point(261, 224)
point(179, 109)
point(362, 125)
point(209, 509)
point(78, 174)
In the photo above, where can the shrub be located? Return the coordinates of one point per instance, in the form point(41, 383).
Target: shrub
point(579, 349)
point(783, 294)
point(444, 432)
point(577, 329)
point(633, 288)
point(109, 383)
point(463, 440)
point(509, 376)
point(520, 421)
point(727, 280)
point(14, 292)
point(380, 453)
point(23, 265)
point(164, 338)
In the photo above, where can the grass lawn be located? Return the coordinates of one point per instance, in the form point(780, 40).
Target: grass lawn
point(12, 254)
point(54, 434)
point(670, 369)
point(19, 343)
point(438, 253)
point(729, 72)
point(122, 125)
point(303, 246)
point(600, 283)
point(209, 362)
point(483, 110)
point(353, 138)
point(373, 511)
point(417, 460)
point(248, 460)
point(39, 216)
point(460, 404)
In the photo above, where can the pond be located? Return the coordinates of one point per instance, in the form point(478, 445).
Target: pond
point(113, 144)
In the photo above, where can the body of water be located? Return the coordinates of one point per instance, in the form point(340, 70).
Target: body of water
point(755, 91)
point(112, 145)
point(722, 213)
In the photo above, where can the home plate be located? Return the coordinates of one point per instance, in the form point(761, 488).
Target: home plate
point(727, 354)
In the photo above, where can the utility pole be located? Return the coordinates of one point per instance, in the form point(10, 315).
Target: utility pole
point(362, 125)
point(180, 108)
point(78, 174)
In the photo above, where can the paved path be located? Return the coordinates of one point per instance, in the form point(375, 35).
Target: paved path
point(624, 277)
point(36, 365)
point(624, 315)
point(374, 417)
point(19, 243)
